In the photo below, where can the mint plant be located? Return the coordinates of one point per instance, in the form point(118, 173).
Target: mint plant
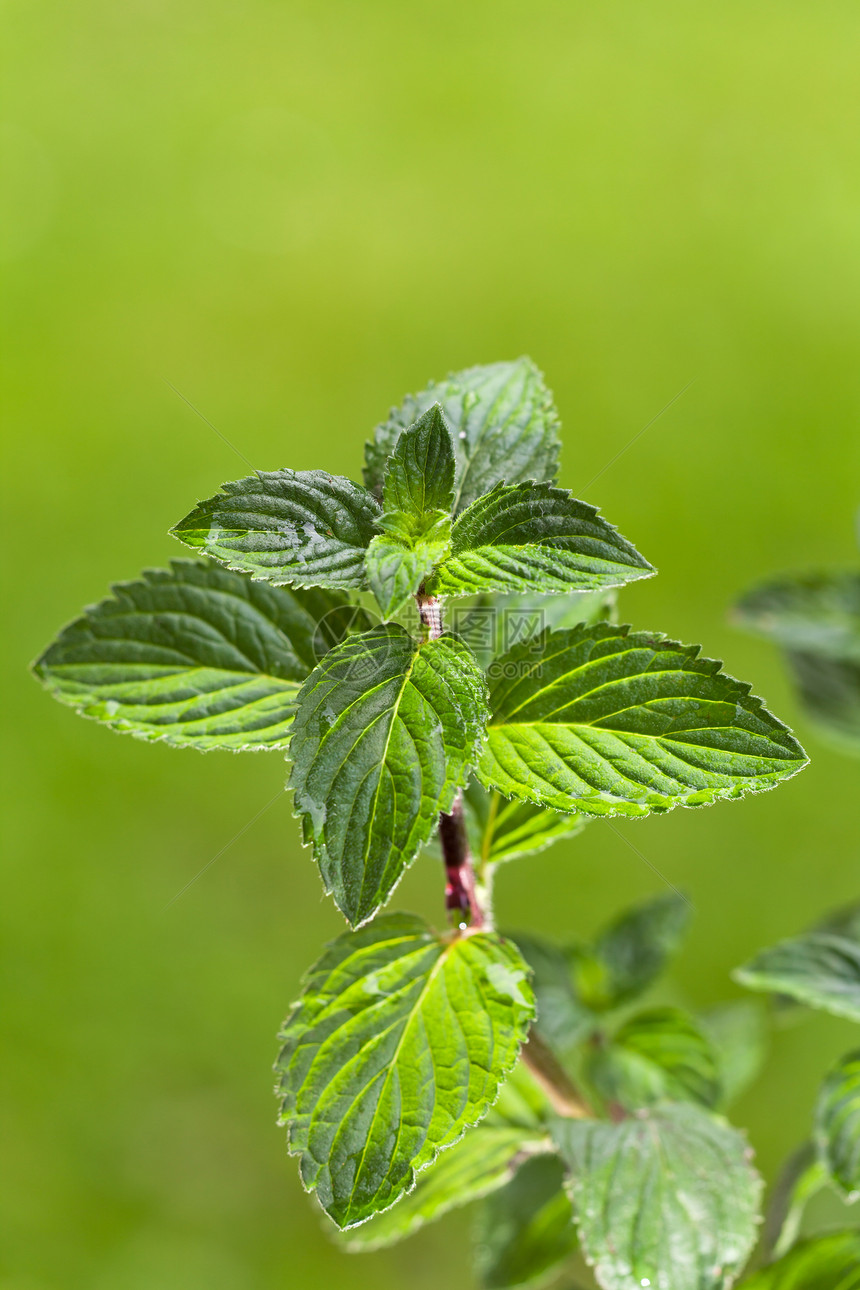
point(436, 651)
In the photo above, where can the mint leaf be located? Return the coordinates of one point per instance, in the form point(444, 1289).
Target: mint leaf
point(655, 1056)
point(399, 1043)
point(501, 830)
point(305, 528)
point(824, 1263)
point(610, 722)
point(384, 735)
point(818, 968)
point(837, 1124)
point(419, 474)
point(400, 558)
point(801, 1178)
point(533, 537)
point(814, 613)
point(196, 656)
point(631, 953)
point(562, 1019)
point(503, 423)
point(526, 1229)
point(738, 1035)
point(482, 1161)
point(494, 623)
point(666, 1199)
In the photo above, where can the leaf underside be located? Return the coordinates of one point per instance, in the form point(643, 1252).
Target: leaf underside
point(196, 656)
point(398, 1045)
point(384, 735)
point(819, 969)
point(610, 722)
point(532, 537)
point(837, 1124)
point(503, 424)
point(666, 1199)
point(501, 829)
point(305, 528)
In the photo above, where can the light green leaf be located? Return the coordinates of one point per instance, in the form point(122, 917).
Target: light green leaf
point(400, 558)
point(668, 1199)
point(609, 722)
point(815, 613)
point(534, 538)
point(503, 424)
point(384, 735)
point(837, 1124)
point(482, 1161)
point(522, 1103)
point(492, 624)
point(500, 829)
point(398, 1044)
point(305, 528)
point(631, 952)
point(738, 1035)
point(825, 1263)
point(525, 1230)
point(802, 1177)
point(196, 656)
point(819, 969)
point(419, 474)
point(658, 1055)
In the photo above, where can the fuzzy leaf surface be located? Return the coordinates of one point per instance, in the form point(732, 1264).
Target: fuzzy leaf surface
point(384, 735)
point(534, 538)
point(503, 423)
point(525, 1230)
point(610, 722)
point(419, 474)
point(481, 1162)
point(195, 655)
point(819, 969)
point(824, 1263)
point(502, 829)
point(303, 528)
point(666, 1199)
point(399, 558)
point(837, 1124)
point(398, 1044)
point(658, 1055)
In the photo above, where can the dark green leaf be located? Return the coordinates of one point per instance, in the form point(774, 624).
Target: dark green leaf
point(305, 528)
point(738, 1035)
point(631, 952)
point(419, 474)
point(384, 735)
point(482, 1161)
point(399, 1043)
point(801, 1178)
point(525, 1230)
point(562, 1019)
point(819, 969)
point(503, 424)
point(196, 656)
point(837, 1124)
point(500, 829)
point(658, 1055)
point(400, 558)
point(825, 1263)
point(608, 722)
point(829, 690)
point(667, 1199)
point(534, 538)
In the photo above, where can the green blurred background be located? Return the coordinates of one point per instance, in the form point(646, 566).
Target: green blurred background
point(294, 213)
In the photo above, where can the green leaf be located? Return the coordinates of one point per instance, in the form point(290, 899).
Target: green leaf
point(525, 1230)
point(305, 528)
point(482, 1161)
point(802, 1177)
point(398, 1044)
point(668, 1198)
point(818, 968)
point(384, 735)
point(419, 474)
point(608, 722)
point(503, 422)
point(196, 656)
point(824, 1263)
point(658, 1055)
point(814, 613)
point(738, 1035)
point(829, 690)
point(631, 952)
point(502, 830)
point(562, 1019)
point(837, 1124)
point(494, 623)
point(534, 538)
point(400, 558)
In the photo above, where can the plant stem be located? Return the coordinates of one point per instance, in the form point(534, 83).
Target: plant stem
point(554, 1080)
